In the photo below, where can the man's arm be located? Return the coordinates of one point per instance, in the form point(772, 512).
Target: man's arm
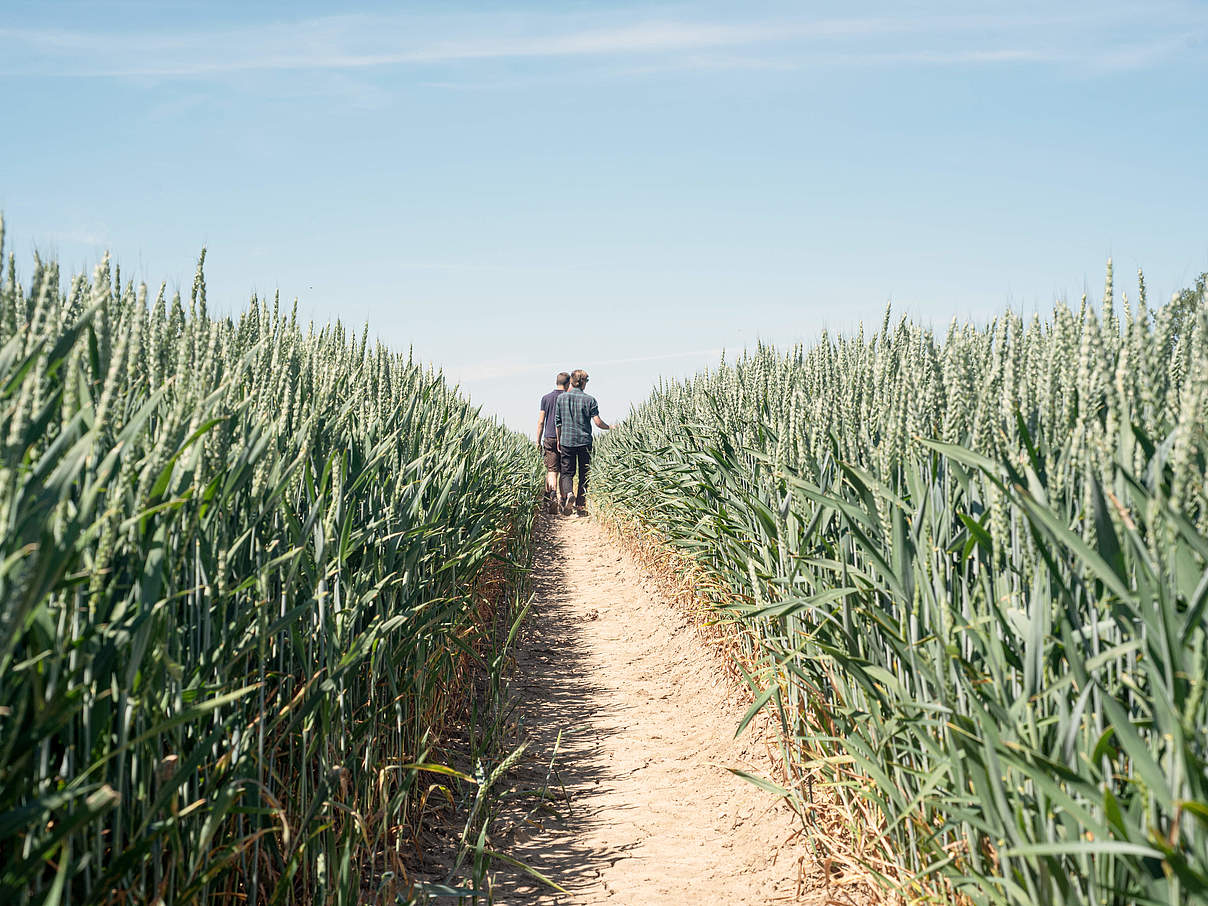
point(540, 426)
point(558, 434)
point(594, 412)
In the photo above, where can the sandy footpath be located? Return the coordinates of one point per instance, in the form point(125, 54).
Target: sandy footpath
point(650, 814)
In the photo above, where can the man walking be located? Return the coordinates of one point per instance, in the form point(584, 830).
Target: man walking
point(547, 438)
point(575, 412)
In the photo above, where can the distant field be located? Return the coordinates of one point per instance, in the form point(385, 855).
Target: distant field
point(968, 570)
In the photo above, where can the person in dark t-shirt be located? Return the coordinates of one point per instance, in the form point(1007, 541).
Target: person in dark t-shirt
point(547, 438)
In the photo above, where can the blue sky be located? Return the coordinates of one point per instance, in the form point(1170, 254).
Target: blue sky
point(514, 188)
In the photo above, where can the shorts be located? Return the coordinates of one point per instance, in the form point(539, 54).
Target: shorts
point(549, 450)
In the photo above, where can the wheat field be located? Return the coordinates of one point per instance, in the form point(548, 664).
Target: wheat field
point(242, 574)
point(967, 569)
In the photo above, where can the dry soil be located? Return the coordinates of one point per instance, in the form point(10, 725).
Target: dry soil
point(644, 810)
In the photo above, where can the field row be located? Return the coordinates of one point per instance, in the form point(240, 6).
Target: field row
point(244, 568)
point(969, 572)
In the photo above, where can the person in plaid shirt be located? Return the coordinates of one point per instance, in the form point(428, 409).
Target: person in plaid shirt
point(574, 415)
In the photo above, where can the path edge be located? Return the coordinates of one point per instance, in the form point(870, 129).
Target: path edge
point(843, 856)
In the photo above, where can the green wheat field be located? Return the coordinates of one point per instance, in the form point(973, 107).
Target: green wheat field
point(250, 570)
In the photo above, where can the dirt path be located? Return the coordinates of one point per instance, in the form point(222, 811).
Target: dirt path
point(651, 814)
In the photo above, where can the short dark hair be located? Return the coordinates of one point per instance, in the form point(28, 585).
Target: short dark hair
point(578, 377)
point(562, 379)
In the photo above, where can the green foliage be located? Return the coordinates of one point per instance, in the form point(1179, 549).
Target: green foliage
point(975, 567)
point(237, 594)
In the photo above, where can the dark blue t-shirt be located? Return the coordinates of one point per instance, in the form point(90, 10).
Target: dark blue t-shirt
point(549, 405)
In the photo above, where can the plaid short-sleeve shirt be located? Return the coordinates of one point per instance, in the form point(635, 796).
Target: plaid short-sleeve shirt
point(575, 412)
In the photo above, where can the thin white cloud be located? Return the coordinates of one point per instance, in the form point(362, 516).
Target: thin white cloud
point(355, 42)
point(699, 63)
point(360, 42)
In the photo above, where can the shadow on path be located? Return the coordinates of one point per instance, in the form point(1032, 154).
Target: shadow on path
point(560, 717)
point(639, 807)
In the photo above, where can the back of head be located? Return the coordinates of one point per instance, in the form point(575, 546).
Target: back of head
point(578, 378)
point(562, 380)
